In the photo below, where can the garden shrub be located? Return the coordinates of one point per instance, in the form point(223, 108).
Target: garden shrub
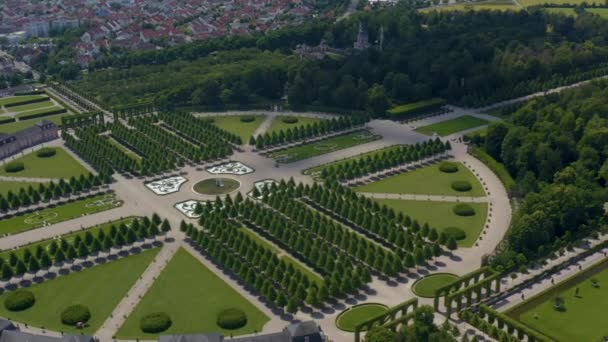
point(248, 118)
point(448, 167)
point(455, 232)
point(461, 186)
point(14, 167)
point(75, 314)
point(19, 300)
point(463, 210)
point(46, 152)
point(290, 120)
point(155, 322)
point(231, 319)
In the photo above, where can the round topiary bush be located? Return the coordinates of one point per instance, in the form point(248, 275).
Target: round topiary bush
point(461, 186)
point(155, 322)
point(448, 167)
point(231, 319)
point(463, 210)
point(290, 120)
point(14, 167)
point(248, 118)
point(19, 300)
point(75, 314)
point(46, 152)
point(455, 232)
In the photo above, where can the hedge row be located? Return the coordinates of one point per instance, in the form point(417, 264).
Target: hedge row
point(43, 114)
point(8, 120)
point(415, 108)
point(25, 102)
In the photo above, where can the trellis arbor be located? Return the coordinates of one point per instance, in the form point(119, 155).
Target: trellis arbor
point(392, 319)
point(478, 283)
point(84, 119)
point(130, 110)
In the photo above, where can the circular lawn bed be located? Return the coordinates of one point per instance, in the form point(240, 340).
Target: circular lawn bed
point(216, 186)
point(348, 319)
point(426, 286)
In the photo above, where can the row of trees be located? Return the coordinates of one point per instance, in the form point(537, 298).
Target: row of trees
point(99, 152)
point(30, 195)
point(383, 160)
point(84, 244)
point(298, 133)
point(202, 131)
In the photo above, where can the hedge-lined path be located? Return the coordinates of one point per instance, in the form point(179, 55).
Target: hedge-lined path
point(27, 180)
point(431, 198)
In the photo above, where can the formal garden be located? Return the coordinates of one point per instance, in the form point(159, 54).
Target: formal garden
point(241, 125)
point(348, 319)
point(283, 122)
point(216, 186)
point(427, 285)
point(47, 162)
point(448, 127)
point(20, 112)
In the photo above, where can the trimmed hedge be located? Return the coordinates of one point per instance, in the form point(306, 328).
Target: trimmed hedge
point(43, 114)
point(155, 322)
point(46, 152)
point(25, 102)
point(19, 300)
point(3, 121)
point(14, 167)
point(455, 232)
point(248, 118)
point(461, 186)
point(463, 210)
point(414, 108)
point(75, 314)
point(231, 319)
point(448, 167)
point(290, 120)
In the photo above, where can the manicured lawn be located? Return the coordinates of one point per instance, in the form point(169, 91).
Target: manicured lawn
point(68, 211)
point(15, 99)
point(123, 148)
point(441, 216)
point(296, 265)
point(565, 11)
point(38, 111)
point(61, 165)
point(323, 146)
point(5, 187)
point(19, 125)
point(584, 317)
point(100, 288)
point(210, 187)
point(350, 318)
point(447, 127)
point(427, 180)
point(31, 106)
point(479, 6)
point(233, 124)
point(255, 237)
point(277, 124)
point(192, 296)
point(317, 169)
point(528, 3)
point(426, 286)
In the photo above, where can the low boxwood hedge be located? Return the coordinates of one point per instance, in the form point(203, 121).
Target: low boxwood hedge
point(248, 118)
point(448, 167)
point(455, 232)
point(290, 120)
point(463, 210)
point(231, 319)
point(46, 152)
point(155, 322)
point(461, 186)
point(19, 300)
point(75, 314)
point(14, 167)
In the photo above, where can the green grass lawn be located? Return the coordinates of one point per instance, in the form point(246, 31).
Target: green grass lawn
point(68, 211)
point(61, 165)
point(277, 123)
point(20, 125)
point(31, 106)
point(5, 187)
point(38, 111)
point(317, 169)
point(100, 288)
point(602, 12)
point(15, 99)
point(478, 6)
point(350, 318)
point(528, 3)
point(447, 127)
point(565, 11)
point(441, 216)
point(296, 265)
point(584, 318)
point(233, 124)
point(192, 295)
point(426, 286)
point(255, 237)
point(427, 180)
point(126, 150)
point(323, 146)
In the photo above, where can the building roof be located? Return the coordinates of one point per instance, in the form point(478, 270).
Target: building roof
point(276, 337)
point(211, 337)
point(303, 329)
point(5, 324)
point(19, 336)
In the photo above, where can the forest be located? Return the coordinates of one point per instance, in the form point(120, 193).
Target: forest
point(469, 58)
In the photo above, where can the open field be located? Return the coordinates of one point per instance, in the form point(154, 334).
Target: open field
point(61, 165)
point(324, 146)
point(233, 124)
point(15, 99)
point(358, 314)
point(477, 6)
point(426, 181)
point(192, 296)
point(426, 286)
point(90, 287)
point(59, 213)
point(583, 317)
point(318, 169)
point(447, 127)
point(277, 124)
point(441, 216)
